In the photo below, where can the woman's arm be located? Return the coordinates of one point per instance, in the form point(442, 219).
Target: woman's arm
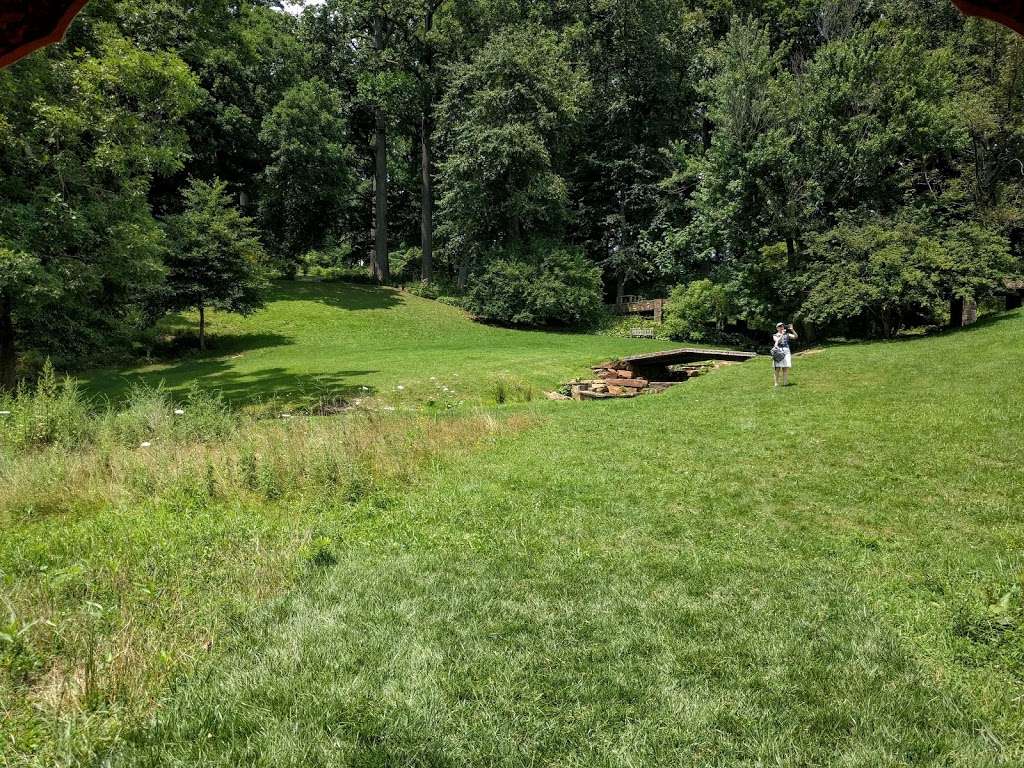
point(791, 333)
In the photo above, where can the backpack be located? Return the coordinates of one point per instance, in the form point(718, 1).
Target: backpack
point(778, 354)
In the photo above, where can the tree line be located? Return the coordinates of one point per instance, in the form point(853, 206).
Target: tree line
point(852, 164)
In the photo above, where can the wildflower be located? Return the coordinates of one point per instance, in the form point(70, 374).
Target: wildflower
point(400, 387)
point(179, 412)
point(286, 415)
point(5, 413)
point(146, 444)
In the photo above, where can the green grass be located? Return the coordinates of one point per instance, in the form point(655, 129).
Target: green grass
point(360, 341)
point(122, 563)
point(724, 575)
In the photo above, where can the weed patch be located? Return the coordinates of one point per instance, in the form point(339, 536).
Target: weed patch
point(123, 561)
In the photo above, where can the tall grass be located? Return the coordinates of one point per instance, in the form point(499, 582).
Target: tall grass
point(56, 413)
point(507, 390)
point(135, 538)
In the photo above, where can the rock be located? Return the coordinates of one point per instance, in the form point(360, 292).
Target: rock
point(630, 383)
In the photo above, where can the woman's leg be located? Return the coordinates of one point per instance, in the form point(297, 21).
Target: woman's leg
point(785, 377)
point(775, 374)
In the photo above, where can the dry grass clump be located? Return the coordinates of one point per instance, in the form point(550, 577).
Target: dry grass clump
point(344, 457)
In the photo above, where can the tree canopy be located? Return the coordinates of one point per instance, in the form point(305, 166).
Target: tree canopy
point(853, 166)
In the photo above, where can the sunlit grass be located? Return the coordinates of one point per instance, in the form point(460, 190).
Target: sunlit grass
point(360, 342)
point(727, 574)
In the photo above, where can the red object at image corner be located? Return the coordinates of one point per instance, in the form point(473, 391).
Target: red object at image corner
point(1009, 13)
point(26, 25)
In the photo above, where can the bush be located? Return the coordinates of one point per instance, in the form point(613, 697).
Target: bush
point(406, 264)
point(326, 260)
point(336, 264)
point(622, 326)
point(54, 412)
point(697, 311)
point(880, 276)
point(423, 290)
point(149, 415)
point(459, 302)
point(558, 287)
point(438, 289)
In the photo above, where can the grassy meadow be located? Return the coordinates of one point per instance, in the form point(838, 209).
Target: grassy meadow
point(358, 341)
point(726, 574)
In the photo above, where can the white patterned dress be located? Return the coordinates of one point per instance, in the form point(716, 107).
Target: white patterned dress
point(782, 342)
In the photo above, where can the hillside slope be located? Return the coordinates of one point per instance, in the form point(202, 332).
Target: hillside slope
point(342, 338)
point(723, 575)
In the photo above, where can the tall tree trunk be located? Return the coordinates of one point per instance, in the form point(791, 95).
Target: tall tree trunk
point(706, 132)
point(427, 153)
point(8, 354)
point(463, 277)
point(381, 265)
point(202, 328)
point(427, 203)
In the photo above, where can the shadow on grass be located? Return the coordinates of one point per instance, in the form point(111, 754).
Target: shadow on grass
point(184, 345)
point(348, 296)
point(984, 322)
point(242, 387)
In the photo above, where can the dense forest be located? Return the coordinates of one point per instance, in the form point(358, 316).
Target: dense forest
point(854, 165)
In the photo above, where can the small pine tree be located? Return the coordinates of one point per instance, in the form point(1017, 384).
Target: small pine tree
point(216, 259)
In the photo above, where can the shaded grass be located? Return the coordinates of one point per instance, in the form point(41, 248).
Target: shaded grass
point(344, 338)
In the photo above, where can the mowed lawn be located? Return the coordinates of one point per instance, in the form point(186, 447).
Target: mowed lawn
point(724, 575)
point(336, 338)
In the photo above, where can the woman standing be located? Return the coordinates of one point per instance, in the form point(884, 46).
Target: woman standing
point(782, 359)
